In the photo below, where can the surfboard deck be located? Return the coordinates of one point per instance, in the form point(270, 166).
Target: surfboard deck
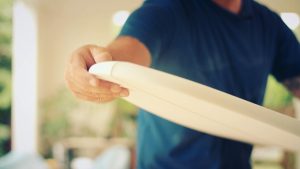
point(201, 108)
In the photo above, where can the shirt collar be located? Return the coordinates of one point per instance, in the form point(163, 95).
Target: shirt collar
point(247, 9)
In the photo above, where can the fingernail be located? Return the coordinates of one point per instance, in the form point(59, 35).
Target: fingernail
point(115, 88)
point(124, 93)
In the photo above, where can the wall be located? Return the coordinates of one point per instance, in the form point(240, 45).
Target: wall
point(66, 25)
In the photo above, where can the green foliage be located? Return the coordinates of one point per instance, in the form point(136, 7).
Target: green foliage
point(59, 111)
point(124, 121)
point(5, 28)
point(53, 119)
point(276, 96)
point(4, 138)
point(6, 10)
point(5, 73)
point(5, 89)
point(5, 62)
point(127, 108)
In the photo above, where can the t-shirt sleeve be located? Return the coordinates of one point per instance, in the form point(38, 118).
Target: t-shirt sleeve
point(152, 24)
point(286, 63)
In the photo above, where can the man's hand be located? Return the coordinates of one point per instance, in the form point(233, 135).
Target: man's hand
point(85, 85)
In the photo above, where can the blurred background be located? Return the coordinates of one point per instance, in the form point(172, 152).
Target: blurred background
point(36, 39)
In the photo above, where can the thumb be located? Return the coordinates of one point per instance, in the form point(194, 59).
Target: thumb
point(100, 55)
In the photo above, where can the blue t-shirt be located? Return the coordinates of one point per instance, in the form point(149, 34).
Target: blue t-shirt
point(201, 41)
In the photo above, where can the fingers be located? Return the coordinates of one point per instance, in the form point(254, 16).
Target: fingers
point(85, 85)
point(100, 99)
point(88, 82)
point(88, 55)
point(83, 80)
point(82, 57)
point(100, 54)
point(109, 90)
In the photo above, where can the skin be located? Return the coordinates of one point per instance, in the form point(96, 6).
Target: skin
point(87, 87)
point(233, 6)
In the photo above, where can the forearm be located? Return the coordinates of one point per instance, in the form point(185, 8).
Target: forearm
point(293, 85)
point(129, 49)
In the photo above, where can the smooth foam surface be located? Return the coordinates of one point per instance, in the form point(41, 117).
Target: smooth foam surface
point(200, 107)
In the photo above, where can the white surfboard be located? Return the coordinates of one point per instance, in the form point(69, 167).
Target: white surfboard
point(200, 107)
